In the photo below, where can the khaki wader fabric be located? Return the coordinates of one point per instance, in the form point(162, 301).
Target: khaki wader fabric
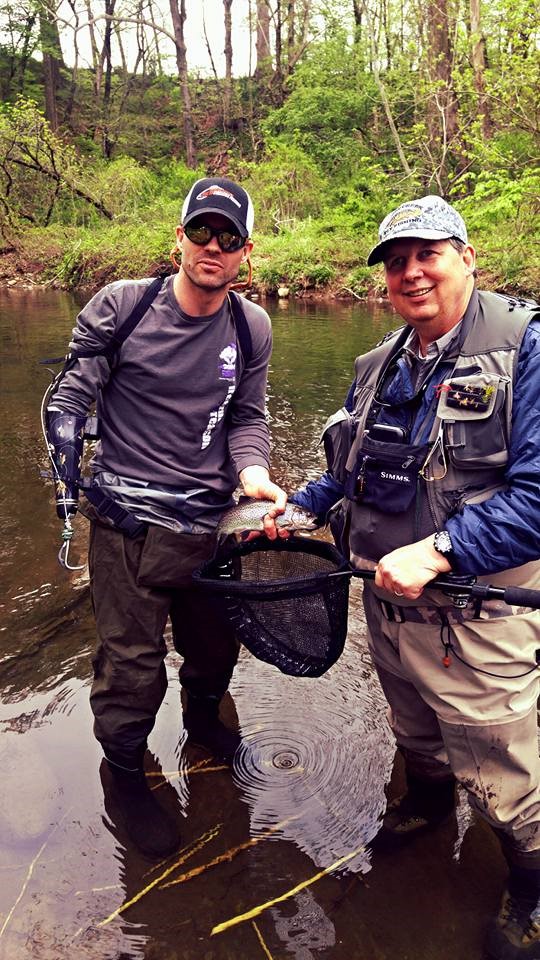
point(483, 728)
point(136, 584)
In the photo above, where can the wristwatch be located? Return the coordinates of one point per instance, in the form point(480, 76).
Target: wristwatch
point(442, 542)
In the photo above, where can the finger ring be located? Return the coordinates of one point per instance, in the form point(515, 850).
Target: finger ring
point(398, 594)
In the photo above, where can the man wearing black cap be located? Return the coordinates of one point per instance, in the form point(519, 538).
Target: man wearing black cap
point(181, 405)
point(437, 456)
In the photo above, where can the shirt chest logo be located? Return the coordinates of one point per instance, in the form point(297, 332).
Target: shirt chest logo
point(227, 366)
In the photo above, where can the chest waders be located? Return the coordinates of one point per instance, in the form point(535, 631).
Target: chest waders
point(65, 433)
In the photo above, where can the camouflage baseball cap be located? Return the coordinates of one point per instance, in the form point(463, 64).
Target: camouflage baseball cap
point(429, 218)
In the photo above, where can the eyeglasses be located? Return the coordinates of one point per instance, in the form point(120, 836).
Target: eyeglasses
point(227, 241)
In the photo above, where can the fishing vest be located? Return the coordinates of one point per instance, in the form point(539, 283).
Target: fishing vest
point(466, 453)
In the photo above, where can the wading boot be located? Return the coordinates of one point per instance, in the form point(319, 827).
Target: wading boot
point(129, 801)
point(205, 729)
point(515, 931)
point(425, 805)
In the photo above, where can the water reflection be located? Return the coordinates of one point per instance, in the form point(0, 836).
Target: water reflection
point(306, 748)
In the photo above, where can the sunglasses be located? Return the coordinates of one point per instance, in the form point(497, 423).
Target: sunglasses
point(202, 234)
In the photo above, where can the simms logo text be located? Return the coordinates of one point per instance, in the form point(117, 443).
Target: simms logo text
point(401, 477)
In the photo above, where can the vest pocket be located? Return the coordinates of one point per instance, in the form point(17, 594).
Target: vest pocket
point(473, 412)
point(337, 437)
point(385, 475)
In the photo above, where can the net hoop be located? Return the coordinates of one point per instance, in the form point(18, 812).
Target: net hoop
point(297, 622)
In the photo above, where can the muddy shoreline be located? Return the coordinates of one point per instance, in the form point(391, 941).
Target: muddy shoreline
point(20, 275)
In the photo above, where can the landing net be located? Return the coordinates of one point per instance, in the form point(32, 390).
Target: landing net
point(282, 600)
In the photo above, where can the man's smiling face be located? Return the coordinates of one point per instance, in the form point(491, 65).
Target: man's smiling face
point(429, 283)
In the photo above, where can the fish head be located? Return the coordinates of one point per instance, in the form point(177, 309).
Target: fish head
point(297, 518)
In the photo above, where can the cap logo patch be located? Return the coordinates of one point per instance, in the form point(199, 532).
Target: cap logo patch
point(411, 213)
point(215, 191)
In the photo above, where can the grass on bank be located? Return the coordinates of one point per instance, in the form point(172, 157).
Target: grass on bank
point(324, 255)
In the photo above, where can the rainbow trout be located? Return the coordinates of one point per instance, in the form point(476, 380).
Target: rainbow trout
point(248, 515)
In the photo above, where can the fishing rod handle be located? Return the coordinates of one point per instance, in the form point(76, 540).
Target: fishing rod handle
point(513, 596)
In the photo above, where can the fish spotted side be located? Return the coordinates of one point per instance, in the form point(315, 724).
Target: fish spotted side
point(248, 515)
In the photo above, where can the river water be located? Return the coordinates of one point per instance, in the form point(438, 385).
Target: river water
point(314, 771)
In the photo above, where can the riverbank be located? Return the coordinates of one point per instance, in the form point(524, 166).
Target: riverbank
point(311, 261)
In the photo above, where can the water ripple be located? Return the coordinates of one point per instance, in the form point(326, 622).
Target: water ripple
point(317, 752)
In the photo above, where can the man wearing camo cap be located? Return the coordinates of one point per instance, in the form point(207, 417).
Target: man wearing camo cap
point(442, 478)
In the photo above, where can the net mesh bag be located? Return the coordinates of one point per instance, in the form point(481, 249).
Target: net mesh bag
point(283, 600)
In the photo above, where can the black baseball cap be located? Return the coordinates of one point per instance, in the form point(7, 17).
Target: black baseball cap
point(219, 195)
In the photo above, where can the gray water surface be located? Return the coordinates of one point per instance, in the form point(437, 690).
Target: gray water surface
point(311, 779)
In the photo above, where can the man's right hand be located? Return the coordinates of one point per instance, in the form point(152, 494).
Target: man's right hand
point(406, 571)
point(256, 483)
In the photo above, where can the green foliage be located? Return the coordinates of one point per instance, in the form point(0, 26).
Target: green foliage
point(503, 216)
point(39, 171)
point(124, 185)
point(360, 281)
point(94, 256)
point(300, 257)
point(287, 186)
point(323, 167)
point(172, 182)
point(328, 110)
point(309, 255)
point(499, 199)
point(367, 196)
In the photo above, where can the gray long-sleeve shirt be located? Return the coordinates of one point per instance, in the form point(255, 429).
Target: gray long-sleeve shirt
point(181, 414)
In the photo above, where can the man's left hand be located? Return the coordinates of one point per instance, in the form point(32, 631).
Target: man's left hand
point(405, 571)
point(256, 483)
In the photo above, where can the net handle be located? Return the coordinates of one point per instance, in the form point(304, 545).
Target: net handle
point(513, 596)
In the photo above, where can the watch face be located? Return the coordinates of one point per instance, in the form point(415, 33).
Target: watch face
point(442, 542)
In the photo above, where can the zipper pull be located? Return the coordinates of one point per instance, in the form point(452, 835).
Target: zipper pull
point(406, 463)
point(361, 478)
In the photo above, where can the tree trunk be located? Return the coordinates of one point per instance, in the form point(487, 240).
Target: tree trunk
point(263, 66)
point(107, 60)
point(279, 66)
point(94, 49)
point(297, 30)
point(156, 36)
point(75, 68)
point(479, 62)
point(442, 119)
point(178, 16)
point(290, 33)
point(374, 58)
point(26, 50)
point(53, 61)
point(227, 89)
point(358, 10)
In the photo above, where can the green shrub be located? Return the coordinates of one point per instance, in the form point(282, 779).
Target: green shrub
point(285, 187)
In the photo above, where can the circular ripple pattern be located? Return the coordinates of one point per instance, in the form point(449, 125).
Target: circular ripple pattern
point(285, 761)
point(315, 756)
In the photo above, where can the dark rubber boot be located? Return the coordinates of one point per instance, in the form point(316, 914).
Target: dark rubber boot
point(130, 802)
point(425, 805)
point(515, 931)
point(205, 729)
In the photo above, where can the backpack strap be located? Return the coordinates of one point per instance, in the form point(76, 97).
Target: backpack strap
point(241, 324)
point(127, 327)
